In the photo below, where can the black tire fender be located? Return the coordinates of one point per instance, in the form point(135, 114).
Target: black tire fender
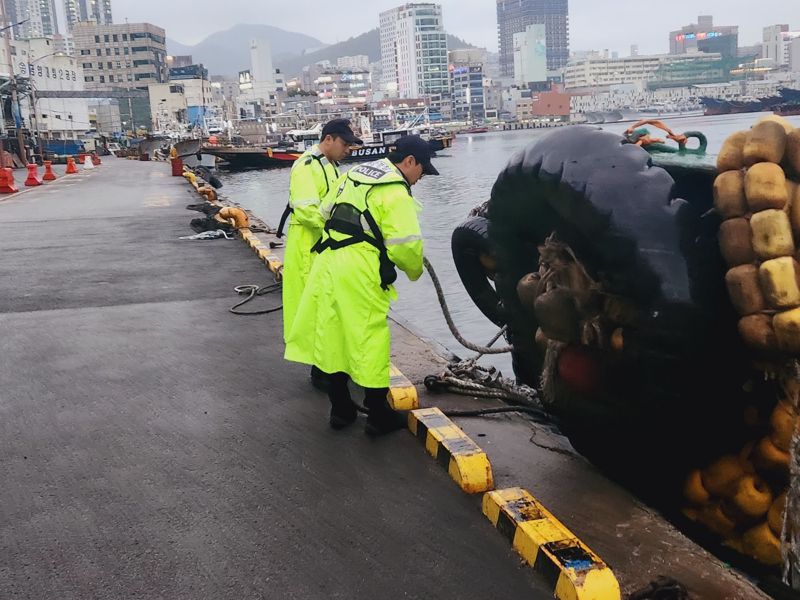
point(469, 241)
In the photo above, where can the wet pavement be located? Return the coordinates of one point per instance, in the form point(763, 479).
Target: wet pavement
point(153, 445)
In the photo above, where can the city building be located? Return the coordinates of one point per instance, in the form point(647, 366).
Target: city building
point(794, 55)
point(749, 52)
point(105, 116)
point(188, 72)
point(530, 56)
point(10, 16)
point(466, 57)
point(65, 44)
point(514, 16)
point(37, 18)
point(168, 105)
point(193, 85)
point(342, 90)
point(51, 118)
point(414, 51)
point(466, 84)
point(704, 36)
point(95, 11)
point(776, 44)
point(126, 55)
point(256, 100)
point(543, 105)
point(185, 60)
point(598, 71)
point(360, 61)
point(262, 72)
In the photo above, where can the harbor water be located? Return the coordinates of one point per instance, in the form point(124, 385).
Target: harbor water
point(468, 171)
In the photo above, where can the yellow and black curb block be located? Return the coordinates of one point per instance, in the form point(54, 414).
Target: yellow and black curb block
point(402, 393)
point(566, 563)
point(466, 463)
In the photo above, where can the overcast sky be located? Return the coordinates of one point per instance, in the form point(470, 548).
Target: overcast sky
point(594, 24)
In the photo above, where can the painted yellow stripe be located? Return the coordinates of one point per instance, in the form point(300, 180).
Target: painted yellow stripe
point(402, 393)
point(274, 264)
point(566, 563)
point(466, 463)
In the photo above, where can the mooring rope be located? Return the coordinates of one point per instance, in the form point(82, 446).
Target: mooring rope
point(448, 317)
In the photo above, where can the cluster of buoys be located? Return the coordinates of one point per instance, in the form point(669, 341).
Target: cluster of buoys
point(742, 498)
point(202, 188)
point(759, 201)
point(236, 217)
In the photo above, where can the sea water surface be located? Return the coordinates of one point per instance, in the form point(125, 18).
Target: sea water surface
point(468, 171)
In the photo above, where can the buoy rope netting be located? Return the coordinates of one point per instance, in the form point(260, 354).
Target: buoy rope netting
point(745, 499)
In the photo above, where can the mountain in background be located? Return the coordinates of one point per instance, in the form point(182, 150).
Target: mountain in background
point(228, 52)
point(368, 43)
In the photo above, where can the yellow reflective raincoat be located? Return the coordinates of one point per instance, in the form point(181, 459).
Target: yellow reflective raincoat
point(341, 324)
point(313, 176)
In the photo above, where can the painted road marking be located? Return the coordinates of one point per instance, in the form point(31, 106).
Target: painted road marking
point(466, 463)
point(567, 564)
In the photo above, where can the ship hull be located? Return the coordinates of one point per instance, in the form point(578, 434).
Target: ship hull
point(240, 159)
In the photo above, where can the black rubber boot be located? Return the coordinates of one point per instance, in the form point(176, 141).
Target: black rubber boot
point(382, 419)
point(344, 412)
point(320, 379)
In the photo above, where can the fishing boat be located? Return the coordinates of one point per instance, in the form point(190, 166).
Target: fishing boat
point(297, 141)
point(788, 109)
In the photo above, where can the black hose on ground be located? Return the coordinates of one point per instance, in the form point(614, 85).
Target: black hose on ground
point(538, 415)
point(254, 291)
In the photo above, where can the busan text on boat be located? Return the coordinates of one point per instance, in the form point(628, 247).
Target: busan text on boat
point(297, 141)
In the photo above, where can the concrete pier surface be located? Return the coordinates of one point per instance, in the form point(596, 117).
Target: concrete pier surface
point(153, 445)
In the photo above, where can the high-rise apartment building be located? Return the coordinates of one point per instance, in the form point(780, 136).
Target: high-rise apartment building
point(97, 11)
point(514, 16)
point(414, 51)
point(530, 56)
point(37, 18)
point(777, 44)
point(124, 55)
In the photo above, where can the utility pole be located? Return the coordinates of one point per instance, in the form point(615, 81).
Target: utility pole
point(14, 98)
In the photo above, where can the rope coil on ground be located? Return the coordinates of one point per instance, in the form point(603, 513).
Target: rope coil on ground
point(253, 291)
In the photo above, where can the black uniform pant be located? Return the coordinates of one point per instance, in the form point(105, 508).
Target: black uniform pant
point(339, 393)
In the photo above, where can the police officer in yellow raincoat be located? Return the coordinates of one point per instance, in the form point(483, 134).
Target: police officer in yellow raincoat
point(341, 323)
point(313, 175)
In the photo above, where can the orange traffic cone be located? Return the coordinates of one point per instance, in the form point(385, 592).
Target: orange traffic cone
point(71, 168)
point(33, 175)
point(96, 160)
point(7, 181)
point(81, 158)
point(48, 171)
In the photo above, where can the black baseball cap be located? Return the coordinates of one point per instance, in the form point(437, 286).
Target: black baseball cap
point(413, 145)
point(341, 128)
